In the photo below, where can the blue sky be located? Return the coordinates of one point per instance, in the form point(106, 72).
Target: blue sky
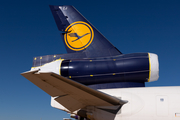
point(27, 29)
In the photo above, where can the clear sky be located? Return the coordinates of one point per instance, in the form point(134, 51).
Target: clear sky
point(27, 29)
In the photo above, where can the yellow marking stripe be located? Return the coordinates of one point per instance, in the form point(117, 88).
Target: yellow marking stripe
point(149, 67)
point(60, 67)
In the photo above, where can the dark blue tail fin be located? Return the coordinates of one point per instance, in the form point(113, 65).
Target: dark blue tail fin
point(79, 35)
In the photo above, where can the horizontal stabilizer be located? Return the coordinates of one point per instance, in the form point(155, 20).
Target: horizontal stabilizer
point(70, 94)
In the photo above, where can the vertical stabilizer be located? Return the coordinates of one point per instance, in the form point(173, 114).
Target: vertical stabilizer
point(79, 35)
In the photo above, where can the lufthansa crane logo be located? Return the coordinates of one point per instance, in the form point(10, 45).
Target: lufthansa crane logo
point(78, 36)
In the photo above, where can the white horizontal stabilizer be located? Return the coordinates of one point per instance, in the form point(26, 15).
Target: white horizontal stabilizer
point(70, 94)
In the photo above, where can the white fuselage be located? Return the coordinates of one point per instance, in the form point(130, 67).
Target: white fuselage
point(146, 103)
point(150, 103)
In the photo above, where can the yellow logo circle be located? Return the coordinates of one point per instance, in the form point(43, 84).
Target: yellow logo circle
point(79, 35)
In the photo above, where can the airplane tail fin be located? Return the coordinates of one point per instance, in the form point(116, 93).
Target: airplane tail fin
point(79, 35)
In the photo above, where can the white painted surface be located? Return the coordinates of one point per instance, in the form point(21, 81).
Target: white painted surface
point(162, 106)
point(150, 103)
point(154, 67)
point(145, 103)
point(49, 67)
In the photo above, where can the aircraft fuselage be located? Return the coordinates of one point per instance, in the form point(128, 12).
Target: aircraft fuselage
point(150, 103)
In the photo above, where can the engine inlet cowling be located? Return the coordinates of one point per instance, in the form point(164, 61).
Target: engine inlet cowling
point(154, 67)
